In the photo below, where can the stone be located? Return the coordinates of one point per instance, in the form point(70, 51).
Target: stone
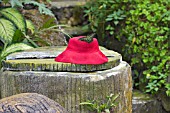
point(165, 100)
point(50, 38)
point(66, 3)
point(30, 103)
point(77, 31)
point(69, 13)
point(144, 103)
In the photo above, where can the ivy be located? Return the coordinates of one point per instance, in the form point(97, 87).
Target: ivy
point(145, 25)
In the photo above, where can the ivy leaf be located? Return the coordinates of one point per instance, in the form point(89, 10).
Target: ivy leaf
point(109, 19)
point(116, 22)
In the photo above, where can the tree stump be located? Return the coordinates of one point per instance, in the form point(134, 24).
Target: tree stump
point(68, 85)
point(30, 103)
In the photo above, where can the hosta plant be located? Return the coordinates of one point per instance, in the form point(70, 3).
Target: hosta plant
point(13, 31)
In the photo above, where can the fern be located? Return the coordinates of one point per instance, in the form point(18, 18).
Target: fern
point(16, 3)
point(14, 16)
point(19, 3)
point(7, 30)
point(41, 7)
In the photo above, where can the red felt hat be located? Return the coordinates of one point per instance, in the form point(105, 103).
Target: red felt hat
point(81, 52)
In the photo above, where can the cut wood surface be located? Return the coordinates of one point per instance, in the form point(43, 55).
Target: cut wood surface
point(42, 59)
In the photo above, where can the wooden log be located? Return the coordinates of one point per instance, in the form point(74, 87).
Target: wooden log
point(30, 103)
point(68, 87)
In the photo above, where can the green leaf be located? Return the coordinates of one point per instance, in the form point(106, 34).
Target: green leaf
point(49, 23)
point(109, 19)
point(18, 36)
point(145, 60)
point(44, 42)
point(7, 30)
point(30, 26)
point(41, 7)
point(13, 15)
point(16, 3)
point(14, 48)
point(107, 111)
point(86, 103)
point(116, 22)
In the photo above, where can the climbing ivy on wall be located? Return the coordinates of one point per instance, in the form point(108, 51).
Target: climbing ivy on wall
point(145, 25)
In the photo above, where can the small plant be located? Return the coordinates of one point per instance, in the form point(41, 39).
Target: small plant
point(106, 106)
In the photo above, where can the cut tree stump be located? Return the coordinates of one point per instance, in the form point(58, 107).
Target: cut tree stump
point(69, 88)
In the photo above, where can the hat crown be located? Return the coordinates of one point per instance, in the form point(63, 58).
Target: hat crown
point(81, 46)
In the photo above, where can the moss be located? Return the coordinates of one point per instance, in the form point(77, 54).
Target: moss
point(141, 96)
point(51, 65)
point(31, 60)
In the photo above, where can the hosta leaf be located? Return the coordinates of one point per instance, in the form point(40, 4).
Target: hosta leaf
point(18, 36)
point(30, 26)
point(13, 15)
point(7, 30)
point(14, 48)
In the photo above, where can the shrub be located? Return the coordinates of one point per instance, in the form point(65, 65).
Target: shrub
point(146, 26)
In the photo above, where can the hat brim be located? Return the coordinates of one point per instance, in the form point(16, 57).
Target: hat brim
point(68, 56)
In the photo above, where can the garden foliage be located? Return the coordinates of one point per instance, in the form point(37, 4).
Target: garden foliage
point(13, 28)
point(105, 106)
point(20, 3)
point(145, 25)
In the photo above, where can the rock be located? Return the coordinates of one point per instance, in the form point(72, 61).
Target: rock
point(69, 89)
point(66, 3)
point(165, 100)
point(50, 37)
point(77, 31)
point(30, 103)
point(69, 13)
point(144, 103)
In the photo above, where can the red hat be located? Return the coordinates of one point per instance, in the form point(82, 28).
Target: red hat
point(81, 52)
